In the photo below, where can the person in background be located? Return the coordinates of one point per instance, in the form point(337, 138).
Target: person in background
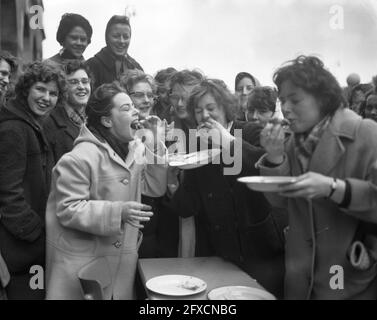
point(8, 67)
point(142, 90)
point(63, 125)
point(25, 168)
point(368, 108)
point(113, 60)
point(352, 80)
point(261, 105)
point(232, 221)
point(94, 211)
point(163, 107)
point(358, 96)
point(332, 205)
point(244, 85)
point(74, 35)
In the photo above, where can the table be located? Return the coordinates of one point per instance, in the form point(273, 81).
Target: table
point(215, 271)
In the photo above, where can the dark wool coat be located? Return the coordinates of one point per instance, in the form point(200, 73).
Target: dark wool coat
point(25, 168)
point(102, 67)
point(61, 132)
point(232, 221)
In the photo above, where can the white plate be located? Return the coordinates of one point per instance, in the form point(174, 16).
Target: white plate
point(239, 293)
point(266, 184)
point(176, 285)
point(193, 160)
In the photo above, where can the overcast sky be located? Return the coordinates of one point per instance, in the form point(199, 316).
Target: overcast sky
point(223, 37)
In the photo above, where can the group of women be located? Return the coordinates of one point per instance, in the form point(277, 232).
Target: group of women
point(112, 186)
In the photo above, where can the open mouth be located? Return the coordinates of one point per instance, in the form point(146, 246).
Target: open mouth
point(43, 105)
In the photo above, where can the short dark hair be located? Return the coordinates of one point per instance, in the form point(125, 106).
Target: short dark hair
point(263, 98)
point(70, 21)
point(186, 77)
point(116, 19)
point(220, 92)
point(40, 72)
point(74, 65)
point(100, 103)
point(363, 87)
point(309, 74)
point(10, 59)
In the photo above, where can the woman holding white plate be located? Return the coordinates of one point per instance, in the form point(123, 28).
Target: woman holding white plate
point(331, 248)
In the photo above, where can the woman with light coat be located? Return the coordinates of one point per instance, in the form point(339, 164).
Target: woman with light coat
point(94, 211)
point(331, 244)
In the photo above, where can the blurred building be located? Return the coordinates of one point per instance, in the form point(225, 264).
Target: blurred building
point(16, 34)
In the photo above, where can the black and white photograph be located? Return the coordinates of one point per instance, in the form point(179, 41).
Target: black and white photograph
point(199, 151)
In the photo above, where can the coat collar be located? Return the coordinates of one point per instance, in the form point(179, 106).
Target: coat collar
point(330, 148)
point(61, 119)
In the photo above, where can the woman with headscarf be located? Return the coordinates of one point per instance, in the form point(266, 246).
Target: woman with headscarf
point(74, 35)
point(25, 168)
point(113, 60)
point(331, 243)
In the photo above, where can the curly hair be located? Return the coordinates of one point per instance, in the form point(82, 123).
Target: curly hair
point(309, 74)
point(10, 59)
point(263, 98)
point(100, 103)
point(134, 76)
point(40, 72)
point(219, 91)
point(68, 22)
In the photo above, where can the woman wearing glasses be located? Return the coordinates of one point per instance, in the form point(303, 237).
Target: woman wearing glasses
point(64, 124)
point(113, 60)
point(142, 90)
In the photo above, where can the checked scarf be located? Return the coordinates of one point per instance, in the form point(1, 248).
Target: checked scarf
point(305, 144)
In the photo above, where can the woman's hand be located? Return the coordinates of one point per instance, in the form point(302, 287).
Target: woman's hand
point(213, 131)
point(272, 140)
point(309, 185)
point(134, 213)
point(154, 132)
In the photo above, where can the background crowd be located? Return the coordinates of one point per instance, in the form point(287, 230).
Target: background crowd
point(76, 199)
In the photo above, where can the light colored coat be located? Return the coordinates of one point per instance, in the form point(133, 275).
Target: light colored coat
point(320, 232)
point(83, 218)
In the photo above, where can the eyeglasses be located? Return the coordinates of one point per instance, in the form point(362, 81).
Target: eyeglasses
point(141, 95)
point(76, 82)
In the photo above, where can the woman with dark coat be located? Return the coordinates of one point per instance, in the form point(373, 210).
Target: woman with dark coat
point(74, 35)
point(232, 221)
point(113, 60)
point(63, 125)
point(25, 167)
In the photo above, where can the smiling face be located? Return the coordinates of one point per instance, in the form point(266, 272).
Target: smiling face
point(5, 71)
point(371, 108)
point(301, 108)
point(42, 98)
point(76, 42)
point(78, 88)
point(123, 114)
point(143, 98)
point(243, 90)
point(206, 108)
point(118, 39)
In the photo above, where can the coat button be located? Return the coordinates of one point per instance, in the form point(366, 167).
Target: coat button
point(125, 181)
point(117, 244)
point(210, 195)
